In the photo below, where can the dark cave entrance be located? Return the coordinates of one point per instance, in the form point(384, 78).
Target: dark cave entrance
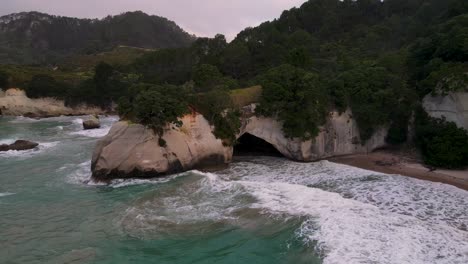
point(249, 145)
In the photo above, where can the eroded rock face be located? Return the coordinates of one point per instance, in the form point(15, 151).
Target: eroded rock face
point(454, 107)
point(14, 102)
point(91, 123)
point(133, 151)
point(339, 136)
point(19, 145)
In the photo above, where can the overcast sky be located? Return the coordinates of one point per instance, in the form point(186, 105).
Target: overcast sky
point(200, 17)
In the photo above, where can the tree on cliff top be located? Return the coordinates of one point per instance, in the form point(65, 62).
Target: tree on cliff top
point(158, 106)
point(295, 97)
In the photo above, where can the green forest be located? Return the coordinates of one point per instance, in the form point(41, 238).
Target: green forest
point(35, 38)
point(378, 58)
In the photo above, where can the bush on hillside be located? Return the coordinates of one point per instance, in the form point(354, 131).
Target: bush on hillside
point(442, 143)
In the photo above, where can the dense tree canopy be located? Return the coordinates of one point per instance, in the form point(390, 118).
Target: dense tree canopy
point(295, 97)
point(45, 85)
point(31, 38)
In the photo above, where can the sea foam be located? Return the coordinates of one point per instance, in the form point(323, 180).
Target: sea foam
point(349, 231)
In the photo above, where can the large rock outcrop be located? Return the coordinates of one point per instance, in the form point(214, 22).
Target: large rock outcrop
point(339, 136)
point(131, 150)
point(134, 151)
point(14, 102)
point(454, 107)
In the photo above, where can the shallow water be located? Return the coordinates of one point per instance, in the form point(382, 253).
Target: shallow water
point(260, 210)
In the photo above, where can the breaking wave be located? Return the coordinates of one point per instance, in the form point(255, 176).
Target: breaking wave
point(348, 215)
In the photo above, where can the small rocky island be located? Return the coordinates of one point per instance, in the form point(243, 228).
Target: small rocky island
point(19, 145)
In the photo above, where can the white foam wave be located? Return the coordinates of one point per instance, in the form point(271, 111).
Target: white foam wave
point(77, 121)
point(429, 201)
point(106, 124)
point(381, 218)
point(350, 229)
point(6, 194)
point(93, 133)
point(80, 173)
point(194, 205)
point(120, 183)
point(22, 119)
point(353, 232)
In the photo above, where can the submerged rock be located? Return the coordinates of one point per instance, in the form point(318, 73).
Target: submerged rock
point(133, 151)
point(91, 123)
point(19, 145)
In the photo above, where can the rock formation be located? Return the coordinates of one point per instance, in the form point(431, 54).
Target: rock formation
point(131, 150)
point(454, 107)
point(134, 151)
point(339, 136)
point(91, 123)
point(19, 145)
point(14, 102)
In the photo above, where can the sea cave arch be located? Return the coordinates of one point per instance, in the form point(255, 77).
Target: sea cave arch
point(250, 145)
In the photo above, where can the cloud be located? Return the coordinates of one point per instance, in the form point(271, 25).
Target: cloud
point(200, 17)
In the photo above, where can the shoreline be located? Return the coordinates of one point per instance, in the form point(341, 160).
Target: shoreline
point(395, 163)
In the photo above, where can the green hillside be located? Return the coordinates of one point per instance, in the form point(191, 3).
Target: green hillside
point(37, 38)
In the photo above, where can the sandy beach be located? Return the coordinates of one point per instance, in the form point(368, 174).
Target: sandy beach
point(393, 162)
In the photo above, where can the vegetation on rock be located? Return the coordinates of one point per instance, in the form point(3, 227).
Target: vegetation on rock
point(295, 97)
point(442, 143)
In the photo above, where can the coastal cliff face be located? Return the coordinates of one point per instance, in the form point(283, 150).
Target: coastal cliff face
point(14, 102)
point(454, 107)
point(339, 136)
point(131, 150)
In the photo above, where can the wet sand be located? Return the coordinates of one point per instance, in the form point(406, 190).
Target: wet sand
point(397, 163)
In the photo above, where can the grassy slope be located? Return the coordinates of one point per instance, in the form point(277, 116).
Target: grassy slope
point(246, 96)
point(75, 68)
point(122, 55)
